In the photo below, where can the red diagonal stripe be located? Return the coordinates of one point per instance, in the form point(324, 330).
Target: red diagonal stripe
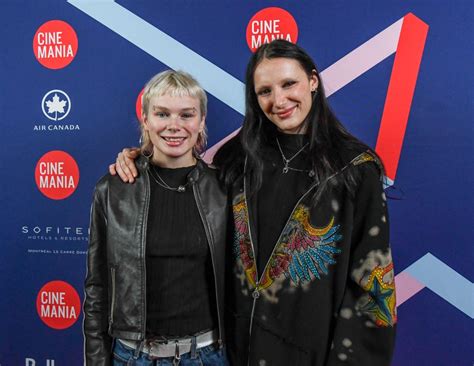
point(400, 92)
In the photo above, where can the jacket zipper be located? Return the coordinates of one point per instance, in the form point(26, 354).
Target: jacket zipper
point(112, 303)
point(143, 253)
point(256, 292)
point(284, 226)
point(211, 246)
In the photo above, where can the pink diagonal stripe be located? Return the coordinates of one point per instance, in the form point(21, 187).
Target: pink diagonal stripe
point(407, 286)
point(208, 155)
point(361, 59)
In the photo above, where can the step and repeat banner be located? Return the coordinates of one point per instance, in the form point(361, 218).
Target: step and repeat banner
point(398, 75)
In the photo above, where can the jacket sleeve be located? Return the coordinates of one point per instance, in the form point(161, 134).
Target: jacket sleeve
point(98, 343)
point(365, 325)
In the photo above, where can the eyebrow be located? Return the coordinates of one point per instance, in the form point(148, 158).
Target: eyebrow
point(260, 87)
point(191, 109)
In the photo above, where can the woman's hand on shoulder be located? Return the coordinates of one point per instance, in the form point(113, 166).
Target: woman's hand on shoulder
point(124, 165)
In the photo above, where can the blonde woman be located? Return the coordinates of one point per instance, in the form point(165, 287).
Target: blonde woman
point(154, 285)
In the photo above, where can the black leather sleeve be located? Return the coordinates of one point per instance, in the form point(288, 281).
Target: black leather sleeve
point(98, 343)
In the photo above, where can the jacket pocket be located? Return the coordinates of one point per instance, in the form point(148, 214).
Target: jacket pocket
point(112, 295)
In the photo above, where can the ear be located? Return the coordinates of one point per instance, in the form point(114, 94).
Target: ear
point(202, 124)
point(145, 121)
point(313, 80)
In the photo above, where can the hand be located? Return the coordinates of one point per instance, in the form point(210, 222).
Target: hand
point(124, 166)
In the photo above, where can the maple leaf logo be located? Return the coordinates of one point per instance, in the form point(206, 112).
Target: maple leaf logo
point(56, 105)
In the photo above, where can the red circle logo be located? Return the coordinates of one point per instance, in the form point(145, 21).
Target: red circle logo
point(270, 24)
point(138, 106)
point(58, 305)
point(55, 44)
point(57, 175)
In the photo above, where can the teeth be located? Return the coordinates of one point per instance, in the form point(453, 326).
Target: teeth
point(174, 139)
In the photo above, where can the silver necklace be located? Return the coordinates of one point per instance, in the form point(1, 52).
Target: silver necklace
point(181, 188)
point(286, 161)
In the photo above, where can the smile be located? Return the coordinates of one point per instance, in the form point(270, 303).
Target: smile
point(286, 113)
point(173, 141)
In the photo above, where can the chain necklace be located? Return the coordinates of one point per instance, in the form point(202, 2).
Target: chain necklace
point(154, 174)
point(286, 161)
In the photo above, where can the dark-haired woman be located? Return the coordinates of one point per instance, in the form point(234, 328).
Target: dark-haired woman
point(311, 274)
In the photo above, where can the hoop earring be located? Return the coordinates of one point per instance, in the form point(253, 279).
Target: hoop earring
point(146, 154)
point(202, 155)
point(143, 151)
point(201, 143)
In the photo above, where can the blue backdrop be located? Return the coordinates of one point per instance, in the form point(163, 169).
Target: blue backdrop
point(120, 46)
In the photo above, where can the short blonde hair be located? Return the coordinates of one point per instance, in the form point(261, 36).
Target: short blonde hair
point(175, 84)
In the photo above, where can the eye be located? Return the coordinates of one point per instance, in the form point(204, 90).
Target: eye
point(161, 114)
point(264, 92)
point(187, 115)
point(289, 83)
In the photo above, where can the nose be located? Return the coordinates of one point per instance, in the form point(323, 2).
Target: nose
point(279, 98)
point(173, 123)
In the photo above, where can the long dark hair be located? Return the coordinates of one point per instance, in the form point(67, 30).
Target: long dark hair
point(331, 146)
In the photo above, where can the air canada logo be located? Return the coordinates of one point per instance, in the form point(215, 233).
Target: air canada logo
point(270, 24)
point(56, 105)
point(55, 44)
point(58, 305)
point(57, 175)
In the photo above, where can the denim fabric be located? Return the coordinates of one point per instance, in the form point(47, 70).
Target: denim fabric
point(205, 356)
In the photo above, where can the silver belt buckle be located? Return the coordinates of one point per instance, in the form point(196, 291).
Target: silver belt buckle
point(160, 349)
point(166, 347)
point(155, 349)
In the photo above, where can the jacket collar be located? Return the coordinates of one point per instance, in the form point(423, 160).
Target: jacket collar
point(143, 163)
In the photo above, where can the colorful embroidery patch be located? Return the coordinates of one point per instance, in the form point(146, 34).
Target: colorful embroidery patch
point(242, 246)
point(376, 277)
point(302, 254)
point(362, 158)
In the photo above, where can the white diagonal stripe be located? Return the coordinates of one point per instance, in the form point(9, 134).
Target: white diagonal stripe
point(166, 49)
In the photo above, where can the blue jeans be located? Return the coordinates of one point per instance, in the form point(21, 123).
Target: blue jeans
point(205, 356)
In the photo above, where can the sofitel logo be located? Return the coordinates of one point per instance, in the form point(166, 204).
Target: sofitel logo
point(50, 232)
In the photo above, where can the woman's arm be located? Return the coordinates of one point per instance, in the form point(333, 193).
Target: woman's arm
point(98, 344)
point(124, 165)
point(365, 326)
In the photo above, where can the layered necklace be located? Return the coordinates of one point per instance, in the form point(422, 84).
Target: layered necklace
point(287, 161)
point(160, 181)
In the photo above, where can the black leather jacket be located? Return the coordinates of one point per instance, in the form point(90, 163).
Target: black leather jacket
point(115, 298)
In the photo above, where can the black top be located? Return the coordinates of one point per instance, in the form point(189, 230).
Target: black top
point(280, 191)
point(180, 285)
